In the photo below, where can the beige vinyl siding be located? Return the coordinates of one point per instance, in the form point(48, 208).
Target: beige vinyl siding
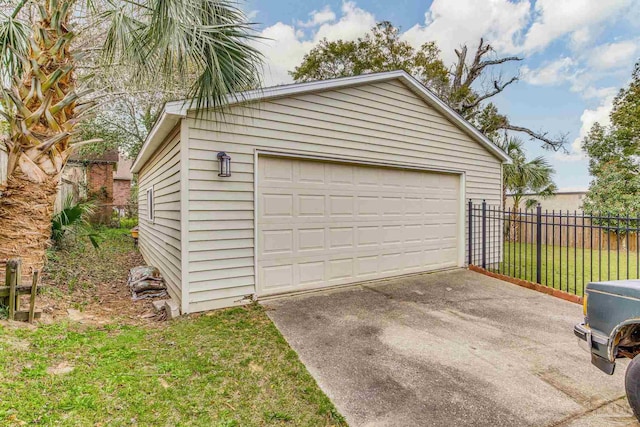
point(160, 240)
point(383, 122)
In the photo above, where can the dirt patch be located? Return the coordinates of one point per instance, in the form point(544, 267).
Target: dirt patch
point(61, 368)
point(12, 343)
point(90, 286)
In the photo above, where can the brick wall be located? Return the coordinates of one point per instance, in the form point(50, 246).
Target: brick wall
point(100, 190)
point(100, 182)
point(121, 191)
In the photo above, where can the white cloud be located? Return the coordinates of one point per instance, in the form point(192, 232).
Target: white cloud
point(319, 17)
point(613, 55)
point(285, 45)
point(589, 117)
point(353, 23)
point(552, 73)
point(451, 23)
point(568, 70)
point(590, 92)
point(578, 18)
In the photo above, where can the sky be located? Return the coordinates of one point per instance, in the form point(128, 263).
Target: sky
point(576, 53)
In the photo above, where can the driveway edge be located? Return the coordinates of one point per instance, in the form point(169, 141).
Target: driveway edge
point(530, 285)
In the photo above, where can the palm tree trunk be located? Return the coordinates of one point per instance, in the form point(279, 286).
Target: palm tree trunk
point(26, 209)
point(42, 103)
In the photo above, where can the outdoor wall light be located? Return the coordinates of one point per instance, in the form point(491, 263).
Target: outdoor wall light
point(225, 164)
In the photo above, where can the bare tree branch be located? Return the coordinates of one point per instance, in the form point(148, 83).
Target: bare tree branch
point(557, 144)
point(498, 87)
point(457, 77)
point(476, 67)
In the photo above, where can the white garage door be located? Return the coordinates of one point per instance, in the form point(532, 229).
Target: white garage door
point(325, 224)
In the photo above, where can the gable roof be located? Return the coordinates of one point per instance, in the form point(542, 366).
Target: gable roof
point(174, 111)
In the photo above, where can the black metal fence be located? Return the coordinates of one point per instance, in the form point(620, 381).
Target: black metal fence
point(561, 249)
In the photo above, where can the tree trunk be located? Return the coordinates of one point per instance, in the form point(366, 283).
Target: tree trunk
point(41, 105)
point(26, 209)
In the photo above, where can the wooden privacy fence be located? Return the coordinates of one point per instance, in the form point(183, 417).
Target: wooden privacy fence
point(573, 229)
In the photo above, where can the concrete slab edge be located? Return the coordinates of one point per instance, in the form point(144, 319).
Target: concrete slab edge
point(529, 285)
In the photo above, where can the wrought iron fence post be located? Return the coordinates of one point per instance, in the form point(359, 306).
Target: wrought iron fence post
point(539, 244)
point(484, 234)
point(470, 242)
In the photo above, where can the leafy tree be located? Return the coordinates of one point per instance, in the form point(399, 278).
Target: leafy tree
point(123, 125)
point(377, 51)
point(523, 176)
point(381, 49)
point(614, 156)
point(56, 57)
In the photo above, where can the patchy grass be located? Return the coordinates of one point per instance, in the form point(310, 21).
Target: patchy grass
point(224, 368)
point(569, 269)
point(77, 264)
point(80, 277)
point(228, 368)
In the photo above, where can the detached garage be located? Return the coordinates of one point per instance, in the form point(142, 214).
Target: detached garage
point(307, 186)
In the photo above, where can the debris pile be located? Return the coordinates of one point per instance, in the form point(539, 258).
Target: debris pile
point(146, 282)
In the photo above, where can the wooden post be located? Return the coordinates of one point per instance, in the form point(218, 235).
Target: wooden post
point(32, 300)
point(18, 282)
point(8, 277)
point(13, 267)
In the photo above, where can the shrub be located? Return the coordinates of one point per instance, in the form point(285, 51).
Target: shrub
point(128, 222)
point(72, 219)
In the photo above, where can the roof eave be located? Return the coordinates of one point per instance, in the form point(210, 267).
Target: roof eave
point(168, 120)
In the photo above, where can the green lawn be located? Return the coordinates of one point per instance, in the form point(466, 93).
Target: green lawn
point(568, 269)
point(225, 368)
point(230, 368)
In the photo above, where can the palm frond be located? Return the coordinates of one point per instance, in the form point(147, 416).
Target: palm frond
point(14, 45)
point(526, 176)
point(72, 216)
point(207, 42)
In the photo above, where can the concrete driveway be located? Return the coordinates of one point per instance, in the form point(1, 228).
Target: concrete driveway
point(451, 348)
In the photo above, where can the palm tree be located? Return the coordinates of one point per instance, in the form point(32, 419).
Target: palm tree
point(44, 46)
point(523, 177)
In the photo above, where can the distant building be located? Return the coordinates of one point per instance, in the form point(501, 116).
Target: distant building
point(122, 180)
point(562, 200)
point(105, 179)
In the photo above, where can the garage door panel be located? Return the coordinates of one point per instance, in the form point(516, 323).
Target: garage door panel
point(312, 173)
point(339, 174)
point(311, 205)
point(277, 242)
point(277, 205)
point(324, 224)
point(312, 272)
point(341, 206)
point(276, 170)
point(341, 237)
point(311, 239)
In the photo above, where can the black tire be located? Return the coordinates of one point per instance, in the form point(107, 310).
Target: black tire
point(632, 385)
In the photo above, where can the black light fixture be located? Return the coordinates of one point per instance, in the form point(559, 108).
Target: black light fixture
point(225, 164)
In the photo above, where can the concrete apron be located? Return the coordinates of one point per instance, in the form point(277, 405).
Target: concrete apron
point(452, 348)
